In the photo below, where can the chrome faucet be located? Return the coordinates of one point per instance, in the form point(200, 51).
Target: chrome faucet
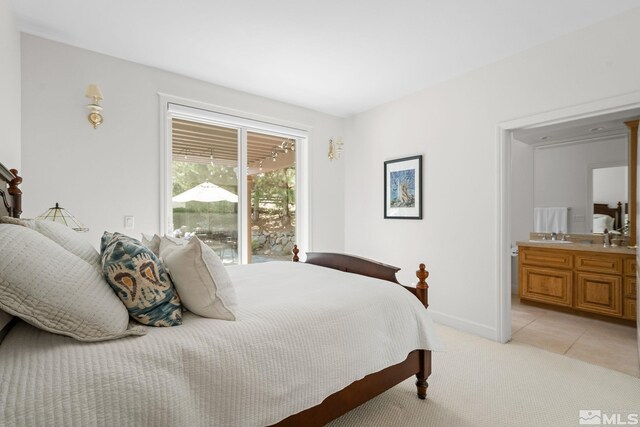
point(607, 238)
point(554, 236)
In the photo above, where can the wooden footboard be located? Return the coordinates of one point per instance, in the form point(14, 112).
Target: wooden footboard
point(417, 363)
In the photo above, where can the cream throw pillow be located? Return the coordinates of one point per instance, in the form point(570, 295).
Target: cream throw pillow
point(71, 240)
point(201, 280)
point(168, 244)
point(55, 290)
point(152, 242)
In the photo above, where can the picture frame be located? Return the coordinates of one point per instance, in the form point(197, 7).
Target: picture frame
point(403, 188)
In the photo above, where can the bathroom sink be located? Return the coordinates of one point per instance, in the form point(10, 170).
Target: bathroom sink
point(550, 241)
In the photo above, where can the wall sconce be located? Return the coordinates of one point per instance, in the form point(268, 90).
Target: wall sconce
point(93, 92)
point(335, 148)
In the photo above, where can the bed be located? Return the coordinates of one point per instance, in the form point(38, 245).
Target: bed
point(311, 345)
point(608, 217)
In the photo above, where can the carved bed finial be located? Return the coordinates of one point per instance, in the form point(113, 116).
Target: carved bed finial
point(422, 286)
point(15, 193)
point(295, 251)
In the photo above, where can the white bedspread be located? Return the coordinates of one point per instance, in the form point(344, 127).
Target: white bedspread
point(303, 333)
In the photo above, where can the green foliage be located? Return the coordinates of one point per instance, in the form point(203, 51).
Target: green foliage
point(277, 187)
point(273, 193)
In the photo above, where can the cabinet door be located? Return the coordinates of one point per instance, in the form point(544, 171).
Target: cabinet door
point(630, 287)
point(599, 293)
point(546, 285)
point(630, 308)
point(630, 294)
point(630, 266)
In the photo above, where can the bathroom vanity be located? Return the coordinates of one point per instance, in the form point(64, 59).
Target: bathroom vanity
point(577, 276)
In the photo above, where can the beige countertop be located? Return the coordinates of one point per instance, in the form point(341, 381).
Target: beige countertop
point(579, 247)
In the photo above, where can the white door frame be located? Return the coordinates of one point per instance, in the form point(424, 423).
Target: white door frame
point(244, 122)
point(597, 108)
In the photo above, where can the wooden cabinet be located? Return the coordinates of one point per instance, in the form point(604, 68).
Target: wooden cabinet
point(599, 293)
point(601, 283)
point(630, 291)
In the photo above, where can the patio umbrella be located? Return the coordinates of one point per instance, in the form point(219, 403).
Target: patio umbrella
point(206, 192)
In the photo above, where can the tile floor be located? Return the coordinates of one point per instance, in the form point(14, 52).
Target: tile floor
point(594, 341)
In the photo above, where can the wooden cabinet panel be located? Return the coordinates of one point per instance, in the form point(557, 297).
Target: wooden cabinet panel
point(630, 288)
point(546, 285)
point(594, 281)
point(599, 293)
point(599, 263)
point(630, 309)
point(547, 258)
point(630, 266)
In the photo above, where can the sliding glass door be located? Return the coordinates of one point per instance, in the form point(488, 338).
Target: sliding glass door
point(204, 197)
point(271, 176)
point(235, 184)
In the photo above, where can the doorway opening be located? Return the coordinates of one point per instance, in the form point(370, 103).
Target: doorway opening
point(547, 165)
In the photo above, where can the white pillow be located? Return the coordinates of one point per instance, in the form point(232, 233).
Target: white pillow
point(55, 290)
point(66, 237)
point(201, 280)
point(152, 242)
point(600, 222)
point(168, 244)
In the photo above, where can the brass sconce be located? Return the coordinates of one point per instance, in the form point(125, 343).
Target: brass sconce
point(335, 148)
point(95, 117)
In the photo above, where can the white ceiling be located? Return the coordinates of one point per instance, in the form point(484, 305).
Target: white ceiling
point(336, 56)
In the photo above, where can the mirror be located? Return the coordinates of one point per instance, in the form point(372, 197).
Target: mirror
point(609, 198)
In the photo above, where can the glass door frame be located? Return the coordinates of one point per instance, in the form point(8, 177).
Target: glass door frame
point(171, 108)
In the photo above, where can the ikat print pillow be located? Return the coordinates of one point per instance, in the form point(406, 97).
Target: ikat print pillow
point(140, 281)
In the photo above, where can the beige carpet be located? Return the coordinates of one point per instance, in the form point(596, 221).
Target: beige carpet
point(478, 382)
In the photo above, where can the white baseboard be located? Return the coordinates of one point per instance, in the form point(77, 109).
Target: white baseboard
point(465, 325)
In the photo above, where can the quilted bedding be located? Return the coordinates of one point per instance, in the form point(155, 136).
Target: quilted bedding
point(303, 332)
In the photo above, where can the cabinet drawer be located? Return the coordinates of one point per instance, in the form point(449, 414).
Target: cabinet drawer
point(546, 258)
point(599, 263)
point(630, 266)
point(546, 285)
point(630, 309)
point(630, 288)
point(599, 293)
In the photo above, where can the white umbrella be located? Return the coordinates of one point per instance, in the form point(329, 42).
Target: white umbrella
point(206, 192)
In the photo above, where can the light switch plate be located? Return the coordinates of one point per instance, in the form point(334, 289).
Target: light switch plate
point(129, 222)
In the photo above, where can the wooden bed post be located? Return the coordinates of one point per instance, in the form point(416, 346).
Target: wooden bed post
point(422, 292)
point(295, 251)
point(16, 194)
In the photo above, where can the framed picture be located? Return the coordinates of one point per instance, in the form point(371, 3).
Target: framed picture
point(403, 188)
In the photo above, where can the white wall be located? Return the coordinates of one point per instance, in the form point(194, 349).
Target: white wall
point(102, 175)
point(454, 125)
point(561, 176)
point(9, 88)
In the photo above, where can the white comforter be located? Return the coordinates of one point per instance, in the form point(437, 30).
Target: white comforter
point(303, 333)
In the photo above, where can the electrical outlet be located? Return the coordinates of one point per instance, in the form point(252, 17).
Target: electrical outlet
point(129, 222)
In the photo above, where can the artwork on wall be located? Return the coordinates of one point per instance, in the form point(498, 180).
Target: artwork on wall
point(403, 188)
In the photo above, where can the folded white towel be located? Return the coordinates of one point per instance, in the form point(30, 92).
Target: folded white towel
point(551, 220)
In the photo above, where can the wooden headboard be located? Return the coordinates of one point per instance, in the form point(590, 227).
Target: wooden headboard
point(10, 194)
point(11, 205)
point(616, 213)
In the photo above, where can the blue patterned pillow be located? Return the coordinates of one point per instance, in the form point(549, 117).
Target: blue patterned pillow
point(140, 281)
